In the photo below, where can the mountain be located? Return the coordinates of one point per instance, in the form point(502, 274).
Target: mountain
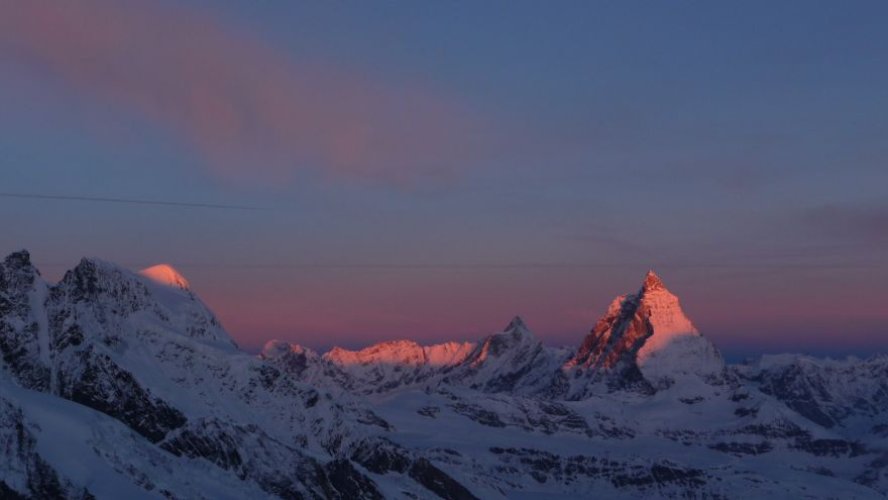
point(379, 368)
point(390, 365)
point(831, 393)
point(122, 384)
point(154, 359)
point(512, 361)
point(646, 341)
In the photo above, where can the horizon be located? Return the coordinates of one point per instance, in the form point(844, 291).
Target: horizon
point(255, 342)
point(345, 174)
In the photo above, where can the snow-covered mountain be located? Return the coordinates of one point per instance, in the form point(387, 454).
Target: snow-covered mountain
point(153, 358)
point(646, 341)
point(122, 384)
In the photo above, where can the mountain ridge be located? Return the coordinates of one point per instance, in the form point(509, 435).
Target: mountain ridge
point(142, 380)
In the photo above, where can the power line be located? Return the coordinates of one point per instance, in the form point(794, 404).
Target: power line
point(128, 201)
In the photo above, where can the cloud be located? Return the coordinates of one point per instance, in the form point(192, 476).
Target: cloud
point(866, 224)
point(252, 111)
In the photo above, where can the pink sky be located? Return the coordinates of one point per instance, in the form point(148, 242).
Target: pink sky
point(431, 171)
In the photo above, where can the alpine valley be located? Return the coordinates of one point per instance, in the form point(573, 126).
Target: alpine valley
point(120, 384)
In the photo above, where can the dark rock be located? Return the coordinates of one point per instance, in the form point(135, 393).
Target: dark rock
point(741, 449)
point(349, 483)
point(103, 386)
point(830, 447)
point(381, 456)
point(438, 482)
point(478, 414)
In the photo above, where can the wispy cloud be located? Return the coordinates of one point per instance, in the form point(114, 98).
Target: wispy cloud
point(866, 224)
point(252, 111)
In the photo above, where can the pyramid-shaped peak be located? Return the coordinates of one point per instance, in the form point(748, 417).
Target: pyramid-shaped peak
point(516, 331)
point(516, 324)
point(648, 331)
point(165, 274)
point(652, 282)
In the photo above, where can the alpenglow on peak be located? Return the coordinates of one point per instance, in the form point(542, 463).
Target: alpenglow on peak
point(652, 282)
point(165, 274)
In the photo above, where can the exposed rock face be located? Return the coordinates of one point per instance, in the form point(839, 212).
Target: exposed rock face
point(280, 469)
point(24, 332)
point(24, 472)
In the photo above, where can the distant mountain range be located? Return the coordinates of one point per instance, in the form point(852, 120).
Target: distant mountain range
point(117, 384)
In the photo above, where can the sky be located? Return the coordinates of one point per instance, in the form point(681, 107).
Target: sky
point(341, 173)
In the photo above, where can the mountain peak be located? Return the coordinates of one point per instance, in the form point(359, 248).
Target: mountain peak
point(275, 349)
point(278, 349)
point(647, 330)
point(517, 324)
point(18, 259)
point(165, 274)
point(652, 282)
